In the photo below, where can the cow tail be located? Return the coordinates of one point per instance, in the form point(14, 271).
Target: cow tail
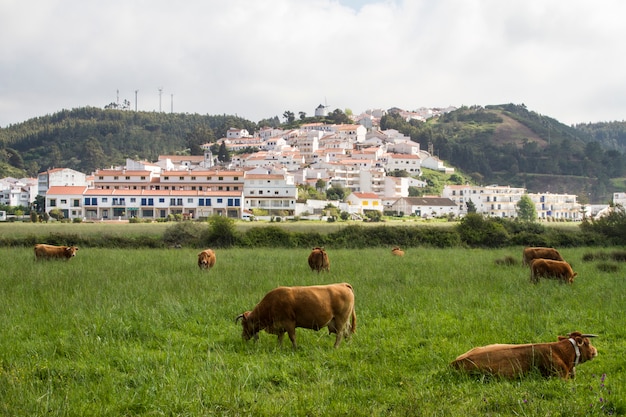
point(353, 321)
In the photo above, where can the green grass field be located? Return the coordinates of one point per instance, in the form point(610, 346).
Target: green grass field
point(146, 333)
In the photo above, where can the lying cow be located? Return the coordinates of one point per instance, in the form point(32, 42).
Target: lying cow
point(511, 361)
point(206, 259)
point(318, 260)
point(544, 253)
point(43, 251)
point(314, 307)
point(548, 268)
point(397, 251)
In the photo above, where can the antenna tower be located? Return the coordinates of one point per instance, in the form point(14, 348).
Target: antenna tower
point(160, 92)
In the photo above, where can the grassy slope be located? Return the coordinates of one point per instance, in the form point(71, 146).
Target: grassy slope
point(145, 332)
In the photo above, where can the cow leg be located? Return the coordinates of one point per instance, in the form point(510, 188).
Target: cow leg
point(292, 337)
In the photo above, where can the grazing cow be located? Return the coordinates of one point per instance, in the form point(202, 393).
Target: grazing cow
point(318, 260)
point(314, 307)
point(548, 268)
point(397, 251)
point(511, 361)
point(535, 253)
point(43, 251)
point(206, 259)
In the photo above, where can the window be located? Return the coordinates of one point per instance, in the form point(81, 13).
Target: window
point(63, 201)
point(53, 202)
point(166, 178)
point(193, 178)
point(172, 201)
point(208, 178)
point(127, 178)
point(143, 177)
point(100, 178)
point(219, 201)
point(161, 200)
point(236, 178)
point(190, 200)
point(75, 203)
point(116, 178)
point(181, 178)
point(105, 199)
point(220, 178)
point(87, 201)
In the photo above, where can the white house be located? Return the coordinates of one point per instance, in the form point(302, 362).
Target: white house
point(275, 193)
point(425, 206)
point(365, 201)
point(18, 192)
point(402, 162)
point(59, 177)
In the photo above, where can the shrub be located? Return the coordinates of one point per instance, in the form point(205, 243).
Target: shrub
point(477, 231)
point(184, 234)
point(221, 234)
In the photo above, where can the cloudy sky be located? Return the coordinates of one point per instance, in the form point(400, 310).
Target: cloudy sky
point(257, 59)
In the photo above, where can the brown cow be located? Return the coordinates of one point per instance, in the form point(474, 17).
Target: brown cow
point(43, 251)
point(318, 260)
point(314, 307)
point(538, 252)
point(397, 251)
point(511, 361)
point(548, 268)
point(206, 259)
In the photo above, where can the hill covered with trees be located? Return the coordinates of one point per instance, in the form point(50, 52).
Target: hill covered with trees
point(510, 145)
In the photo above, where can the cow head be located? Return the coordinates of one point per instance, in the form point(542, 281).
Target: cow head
point(587, 350)
point(203, 260)
point(70, 251)
point(249, 329)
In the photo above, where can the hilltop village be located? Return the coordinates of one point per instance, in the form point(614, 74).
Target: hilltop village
point(263, 184)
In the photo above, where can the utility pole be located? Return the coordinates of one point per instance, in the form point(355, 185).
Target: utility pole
point(160, 92)
point(136, 99)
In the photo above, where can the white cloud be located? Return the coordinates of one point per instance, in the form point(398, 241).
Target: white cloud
point(258, 59)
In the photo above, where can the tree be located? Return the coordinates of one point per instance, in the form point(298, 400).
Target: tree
point(197, 137)
point(223, 155)
point(289, 116)
point(471, 207)
point(302, 115)
point(336, 192)
point(526, 209)
point(56, 214)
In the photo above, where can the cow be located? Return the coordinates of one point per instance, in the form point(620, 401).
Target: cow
point(206, 259)
point(548, 268)
point(512, 361)
point(312, 307)
point(531, 253)
point(43, 251)
point(397, 251)
point(318, 260)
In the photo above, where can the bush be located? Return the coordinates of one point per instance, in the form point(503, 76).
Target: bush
point(477, 231)
point(221, 234)
point(185, 234)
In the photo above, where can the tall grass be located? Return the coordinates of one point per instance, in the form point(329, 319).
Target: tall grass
point(145, 332)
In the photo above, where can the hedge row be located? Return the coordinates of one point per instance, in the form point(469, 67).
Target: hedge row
point(218, 232)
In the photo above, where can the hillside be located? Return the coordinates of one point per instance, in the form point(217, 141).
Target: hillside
point(508, 144)
point(503, 144)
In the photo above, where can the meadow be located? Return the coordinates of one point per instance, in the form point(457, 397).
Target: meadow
point(144, 332)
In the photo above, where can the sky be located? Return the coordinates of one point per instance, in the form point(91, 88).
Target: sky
point(257, 59)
